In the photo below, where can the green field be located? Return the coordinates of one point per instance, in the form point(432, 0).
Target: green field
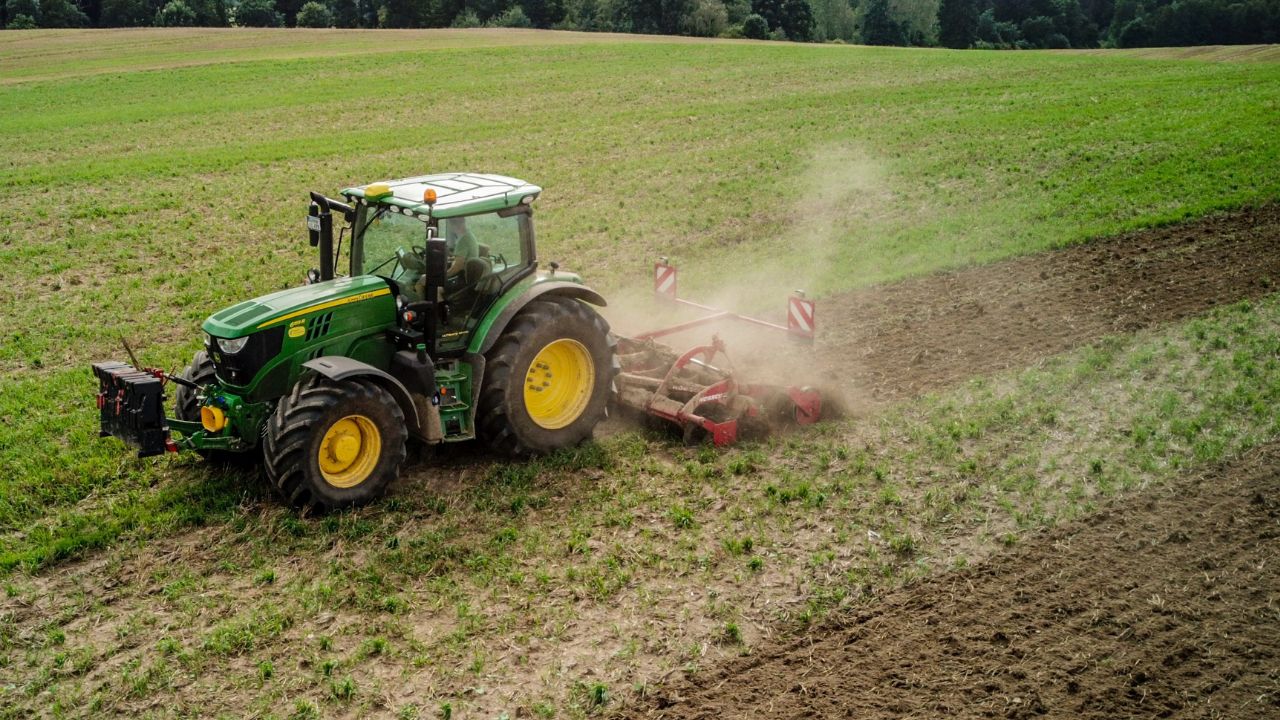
point(143, 200)
point(152, 177)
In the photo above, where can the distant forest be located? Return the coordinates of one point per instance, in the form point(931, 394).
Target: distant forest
point(1002, 24)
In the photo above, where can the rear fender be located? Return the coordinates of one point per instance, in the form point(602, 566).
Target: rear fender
point(339, 368)
point(497, 323)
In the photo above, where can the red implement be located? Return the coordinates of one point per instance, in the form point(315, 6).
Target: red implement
point(698, 390)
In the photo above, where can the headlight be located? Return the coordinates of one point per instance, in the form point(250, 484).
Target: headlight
point(232, 346)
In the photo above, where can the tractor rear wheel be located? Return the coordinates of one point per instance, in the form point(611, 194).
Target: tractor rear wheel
point(332, 444)
point(548, 378)
point(186, 406)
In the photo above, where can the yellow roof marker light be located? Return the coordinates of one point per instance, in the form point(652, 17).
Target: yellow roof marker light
point(429, 196)
point(377, 191)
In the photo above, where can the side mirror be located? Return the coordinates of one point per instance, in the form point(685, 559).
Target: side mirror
point(320, 229)
point(313, 225)
point(320, 234)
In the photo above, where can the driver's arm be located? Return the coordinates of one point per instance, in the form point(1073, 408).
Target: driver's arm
point(465, 249)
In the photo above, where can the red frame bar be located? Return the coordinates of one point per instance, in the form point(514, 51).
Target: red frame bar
point(718, 316)
point(716, 313)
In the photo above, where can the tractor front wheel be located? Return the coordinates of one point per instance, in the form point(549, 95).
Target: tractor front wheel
point(333, 444)
point(547, 379)
point(200, 372)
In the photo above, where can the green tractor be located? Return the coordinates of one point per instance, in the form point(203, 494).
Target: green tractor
point(443, 330)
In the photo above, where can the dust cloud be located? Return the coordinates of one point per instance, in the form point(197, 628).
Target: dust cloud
point(842, 195)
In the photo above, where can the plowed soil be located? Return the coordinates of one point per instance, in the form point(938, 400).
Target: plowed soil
point(1167, 606)
point(894, 342)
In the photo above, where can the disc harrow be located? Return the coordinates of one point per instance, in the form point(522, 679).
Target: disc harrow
point(698, 390)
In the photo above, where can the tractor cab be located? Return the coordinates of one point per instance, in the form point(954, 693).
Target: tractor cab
point(450, 245)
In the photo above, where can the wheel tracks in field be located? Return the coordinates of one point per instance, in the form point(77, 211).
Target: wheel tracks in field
point(1158, 605)
point(894, 679)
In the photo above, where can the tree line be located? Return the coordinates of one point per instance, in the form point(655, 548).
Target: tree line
point(992, 24)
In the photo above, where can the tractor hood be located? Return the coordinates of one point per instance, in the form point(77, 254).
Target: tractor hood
point(267, 311)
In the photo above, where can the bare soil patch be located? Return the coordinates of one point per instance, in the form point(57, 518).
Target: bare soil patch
point(1162, 606)
point(893, 342)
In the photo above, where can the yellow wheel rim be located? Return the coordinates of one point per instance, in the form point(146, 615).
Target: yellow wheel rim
point(349, 451)
point(558, 383)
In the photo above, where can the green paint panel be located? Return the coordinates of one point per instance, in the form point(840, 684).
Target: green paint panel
point(457, 416)
point(294, 303)
point(485, 326)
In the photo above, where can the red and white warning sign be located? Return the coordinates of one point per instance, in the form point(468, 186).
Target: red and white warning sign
point(664, 279)
point(800, 314)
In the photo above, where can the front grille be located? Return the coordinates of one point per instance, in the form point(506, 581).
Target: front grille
point(241, 368)
point(318, 326)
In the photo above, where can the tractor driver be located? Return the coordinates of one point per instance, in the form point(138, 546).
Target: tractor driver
point(462, 246)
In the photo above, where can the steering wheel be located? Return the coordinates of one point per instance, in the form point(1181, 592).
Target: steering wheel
point(414, 260)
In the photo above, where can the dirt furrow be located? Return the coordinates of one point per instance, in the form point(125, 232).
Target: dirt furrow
point(1163, 606)
point(896, 341)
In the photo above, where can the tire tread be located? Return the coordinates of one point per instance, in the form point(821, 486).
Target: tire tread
point(493, 424)
point(289, 434)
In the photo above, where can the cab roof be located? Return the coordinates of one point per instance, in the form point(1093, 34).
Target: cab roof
point(456, 193)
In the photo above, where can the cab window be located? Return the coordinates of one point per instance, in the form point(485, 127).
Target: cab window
point(386, 237)
point(499, 241)
point(485, 253)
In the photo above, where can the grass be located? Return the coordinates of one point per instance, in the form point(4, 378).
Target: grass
point(566, 610)
point(1215, 53)
point(56, 54)
point(140, 201)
